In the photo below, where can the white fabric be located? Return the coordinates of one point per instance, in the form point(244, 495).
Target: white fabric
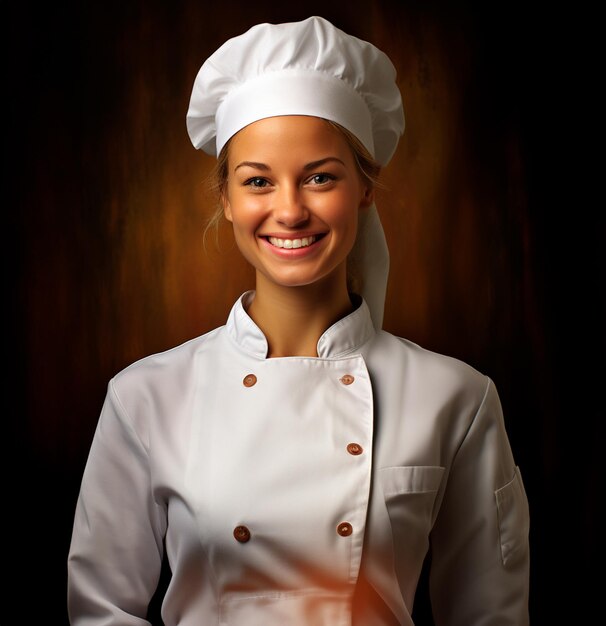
point(282, 92)
point(184, 452)
point(298, 68)
point(371, 255)
point(305, 68)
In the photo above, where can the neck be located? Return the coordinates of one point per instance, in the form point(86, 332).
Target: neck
point(294, 318)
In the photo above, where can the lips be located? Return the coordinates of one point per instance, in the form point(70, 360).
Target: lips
point(301, 242)
point(295, 246)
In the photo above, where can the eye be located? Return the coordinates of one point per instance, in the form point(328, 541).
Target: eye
point(321, 179)
point(257, 182)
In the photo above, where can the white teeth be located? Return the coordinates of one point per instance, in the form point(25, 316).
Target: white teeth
point(292, 243)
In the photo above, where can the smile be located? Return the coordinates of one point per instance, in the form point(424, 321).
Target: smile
point(303, 242)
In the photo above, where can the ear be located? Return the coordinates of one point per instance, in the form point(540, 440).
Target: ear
point(226, 207)
point(368, 197)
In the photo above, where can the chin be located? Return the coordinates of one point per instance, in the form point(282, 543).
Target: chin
point(301, 279)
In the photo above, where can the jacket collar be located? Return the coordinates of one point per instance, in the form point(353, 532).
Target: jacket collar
point(343, 337)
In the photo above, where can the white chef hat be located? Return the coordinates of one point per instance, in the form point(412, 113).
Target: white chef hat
point(306, 68)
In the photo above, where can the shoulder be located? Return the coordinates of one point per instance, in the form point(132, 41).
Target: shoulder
point(166, 369)
point(413, 356)
point(428, 372)
point(154, 394)
point(435, 392)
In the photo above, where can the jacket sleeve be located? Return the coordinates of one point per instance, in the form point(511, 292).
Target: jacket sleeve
point(116, 549)
point(479, 544)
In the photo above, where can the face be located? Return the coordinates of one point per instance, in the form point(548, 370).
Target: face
point(293, 196)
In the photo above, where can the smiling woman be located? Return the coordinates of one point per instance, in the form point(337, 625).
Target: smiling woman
point(293, 195)
point(300, 465)
point(368, 170)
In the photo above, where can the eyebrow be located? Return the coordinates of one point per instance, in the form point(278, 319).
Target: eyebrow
point(257, 166)
point(306, 167)
point(314, 164)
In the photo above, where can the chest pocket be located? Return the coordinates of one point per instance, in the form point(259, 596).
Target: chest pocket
point(410, 494)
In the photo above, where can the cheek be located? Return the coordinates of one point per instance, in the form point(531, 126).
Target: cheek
point(244, 235)
point(342, 213)
point(245, 214)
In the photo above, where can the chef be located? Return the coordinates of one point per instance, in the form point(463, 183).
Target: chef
point(299, 465)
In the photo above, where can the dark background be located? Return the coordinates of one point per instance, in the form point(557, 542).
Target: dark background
point(497, 258)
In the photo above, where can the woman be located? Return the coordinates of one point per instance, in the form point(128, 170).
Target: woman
point(299, 464)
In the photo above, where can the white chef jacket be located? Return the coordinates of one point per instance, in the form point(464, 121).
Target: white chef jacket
point(300, 491)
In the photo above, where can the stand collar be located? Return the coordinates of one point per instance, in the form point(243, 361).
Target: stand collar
point(343, 337)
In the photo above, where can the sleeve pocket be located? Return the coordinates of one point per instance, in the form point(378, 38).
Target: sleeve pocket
point(513, 516)
point(410, 479)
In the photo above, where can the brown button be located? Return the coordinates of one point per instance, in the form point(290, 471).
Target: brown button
point(344, 529)
point(347, 379)
point(249, 380)
point(242, 534)
point(354, 448)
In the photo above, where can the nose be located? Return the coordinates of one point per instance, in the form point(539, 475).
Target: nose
point(289, 208)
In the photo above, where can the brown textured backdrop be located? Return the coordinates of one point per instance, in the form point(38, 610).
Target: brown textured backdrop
point(107, 263)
